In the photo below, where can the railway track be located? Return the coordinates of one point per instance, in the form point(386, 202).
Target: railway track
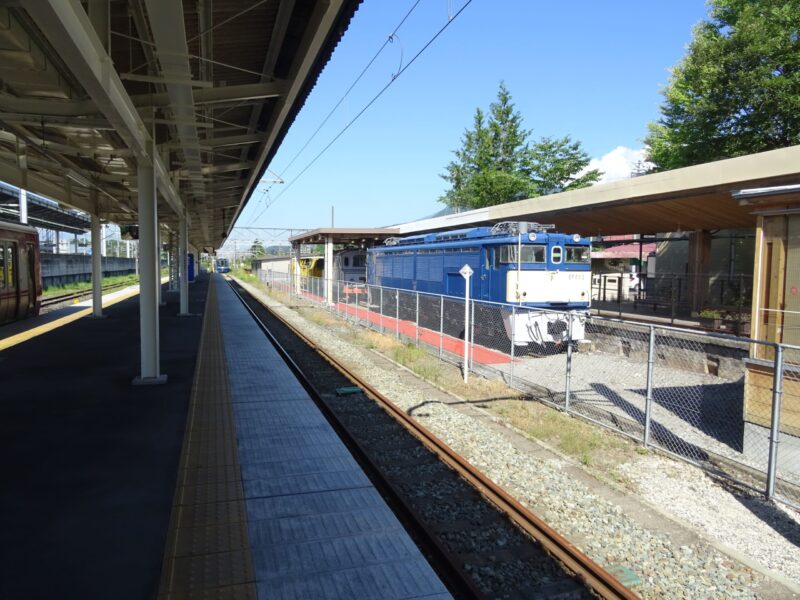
point(479, 539)
point(61, 298)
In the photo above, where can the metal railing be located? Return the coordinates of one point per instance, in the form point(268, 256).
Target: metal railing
point(728, 404)
point(724, 301)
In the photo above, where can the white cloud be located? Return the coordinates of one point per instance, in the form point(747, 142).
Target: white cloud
point(617, 164)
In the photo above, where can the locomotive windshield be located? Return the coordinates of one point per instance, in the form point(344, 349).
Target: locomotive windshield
point(530, 254)
point(578, 254)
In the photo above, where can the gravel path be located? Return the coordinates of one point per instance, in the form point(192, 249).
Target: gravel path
point(601, 528)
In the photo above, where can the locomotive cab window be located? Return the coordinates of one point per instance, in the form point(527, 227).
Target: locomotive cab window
point(556, 254)
point(530, 254)
point(578, 254)
point(359, 260)
point(346, 261)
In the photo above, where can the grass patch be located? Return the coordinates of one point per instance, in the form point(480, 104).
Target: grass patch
point(376, 341)
point(418, 360)
point(318, 317)
point(590, 445)
point(85, 286)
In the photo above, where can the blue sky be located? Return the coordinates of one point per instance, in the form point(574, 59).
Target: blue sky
point(589, 69)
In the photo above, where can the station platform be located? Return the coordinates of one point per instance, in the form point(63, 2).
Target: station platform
point(227, 482)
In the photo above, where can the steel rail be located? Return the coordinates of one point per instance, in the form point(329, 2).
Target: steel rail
point(598, 579)
point(71, 295)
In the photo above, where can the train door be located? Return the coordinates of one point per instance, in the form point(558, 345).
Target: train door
point(31, 270)
point(5, 299)
point(16, 310)
point(487, 263)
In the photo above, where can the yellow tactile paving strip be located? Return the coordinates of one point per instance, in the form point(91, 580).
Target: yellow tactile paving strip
point(13, 340)
point(207, 553)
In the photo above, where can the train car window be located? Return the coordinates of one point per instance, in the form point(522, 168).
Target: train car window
point(359, 260)
point(488, 262)
point(530, 254)
point(2, 266)
point(556, 255)
point(579, 254)
point(11, 261)
point(346, 261)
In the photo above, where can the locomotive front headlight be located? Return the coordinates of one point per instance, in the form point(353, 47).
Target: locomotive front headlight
point(576, 238)
point(532, 237)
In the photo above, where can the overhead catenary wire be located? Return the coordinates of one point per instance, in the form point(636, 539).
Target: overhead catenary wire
point(367, 106)
point(352, 85)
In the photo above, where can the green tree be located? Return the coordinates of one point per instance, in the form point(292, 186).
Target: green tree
point(257, 249)
point(737, 90)
point(497, 164)
point(559, 165)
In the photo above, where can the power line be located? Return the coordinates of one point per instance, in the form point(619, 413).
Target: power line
point(370, 103)
point(350, 89)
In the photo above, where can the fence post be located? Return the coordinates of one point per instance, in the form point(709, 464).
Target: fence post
point(513, 328)
point(472, 336)
point(648, 403)
point(416, 321)
point(619, 294)
point(672, 302)
point(397, 314)
point(381, 309)
point(441, 326)
point(739, 302)
point(466, 337)
point(568, 383)
point(777, 392)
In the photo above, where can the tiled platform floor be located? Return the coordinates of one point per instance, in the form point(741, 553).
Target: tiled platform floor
point(314, 524)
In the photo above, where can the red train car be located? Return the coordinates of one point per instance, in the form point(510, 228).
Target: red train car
point(20, 272)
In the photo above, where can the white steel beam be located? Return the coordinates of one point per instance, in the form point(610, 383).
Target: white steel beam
point(69, 30)
point(323, 22)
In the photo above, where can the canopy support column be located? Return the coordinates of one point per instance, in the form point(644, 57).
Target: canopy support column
point(148, 279)
point(97, 266)
point(183, 261)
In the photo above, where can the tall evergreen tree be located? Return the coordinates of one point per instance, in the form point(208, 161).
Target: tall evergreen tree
point(737, 90)
point(496, 163)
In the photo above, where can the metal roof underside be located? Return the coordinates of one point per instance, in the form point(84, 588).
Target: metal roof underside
point(699, 197)
point(203, 90)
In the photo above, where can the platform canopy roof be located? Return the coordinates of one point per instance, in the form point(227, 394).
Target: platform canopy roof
point(705, 196)
point(202, 90)
point(346, 235)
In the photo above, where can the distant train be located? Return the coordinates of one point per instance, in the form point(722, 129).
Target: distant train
point(20, 272)
point(223, 265)
point(519, 264)
point(312, 266)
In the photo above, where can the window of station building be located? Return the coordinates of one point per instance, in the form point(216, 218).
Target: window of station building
point(530, 254)
point(579, 255)
point(556, 255)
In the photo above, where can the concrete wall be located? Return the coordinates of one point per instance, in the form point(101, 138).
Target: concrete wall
point(58, 269)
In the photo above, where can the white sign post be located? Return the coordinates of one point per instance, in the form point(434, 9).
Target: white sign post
point(466, 273)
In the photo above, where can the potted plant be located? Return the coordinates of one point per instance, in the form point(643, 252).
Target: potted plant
point(710, 319)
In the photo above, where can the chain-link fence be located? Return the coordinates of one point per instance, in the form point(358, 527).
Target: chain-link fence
point(712, 399)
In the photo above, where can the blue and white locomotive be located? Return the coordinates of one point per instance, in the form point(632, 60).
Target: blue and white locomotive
point(519, 264)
